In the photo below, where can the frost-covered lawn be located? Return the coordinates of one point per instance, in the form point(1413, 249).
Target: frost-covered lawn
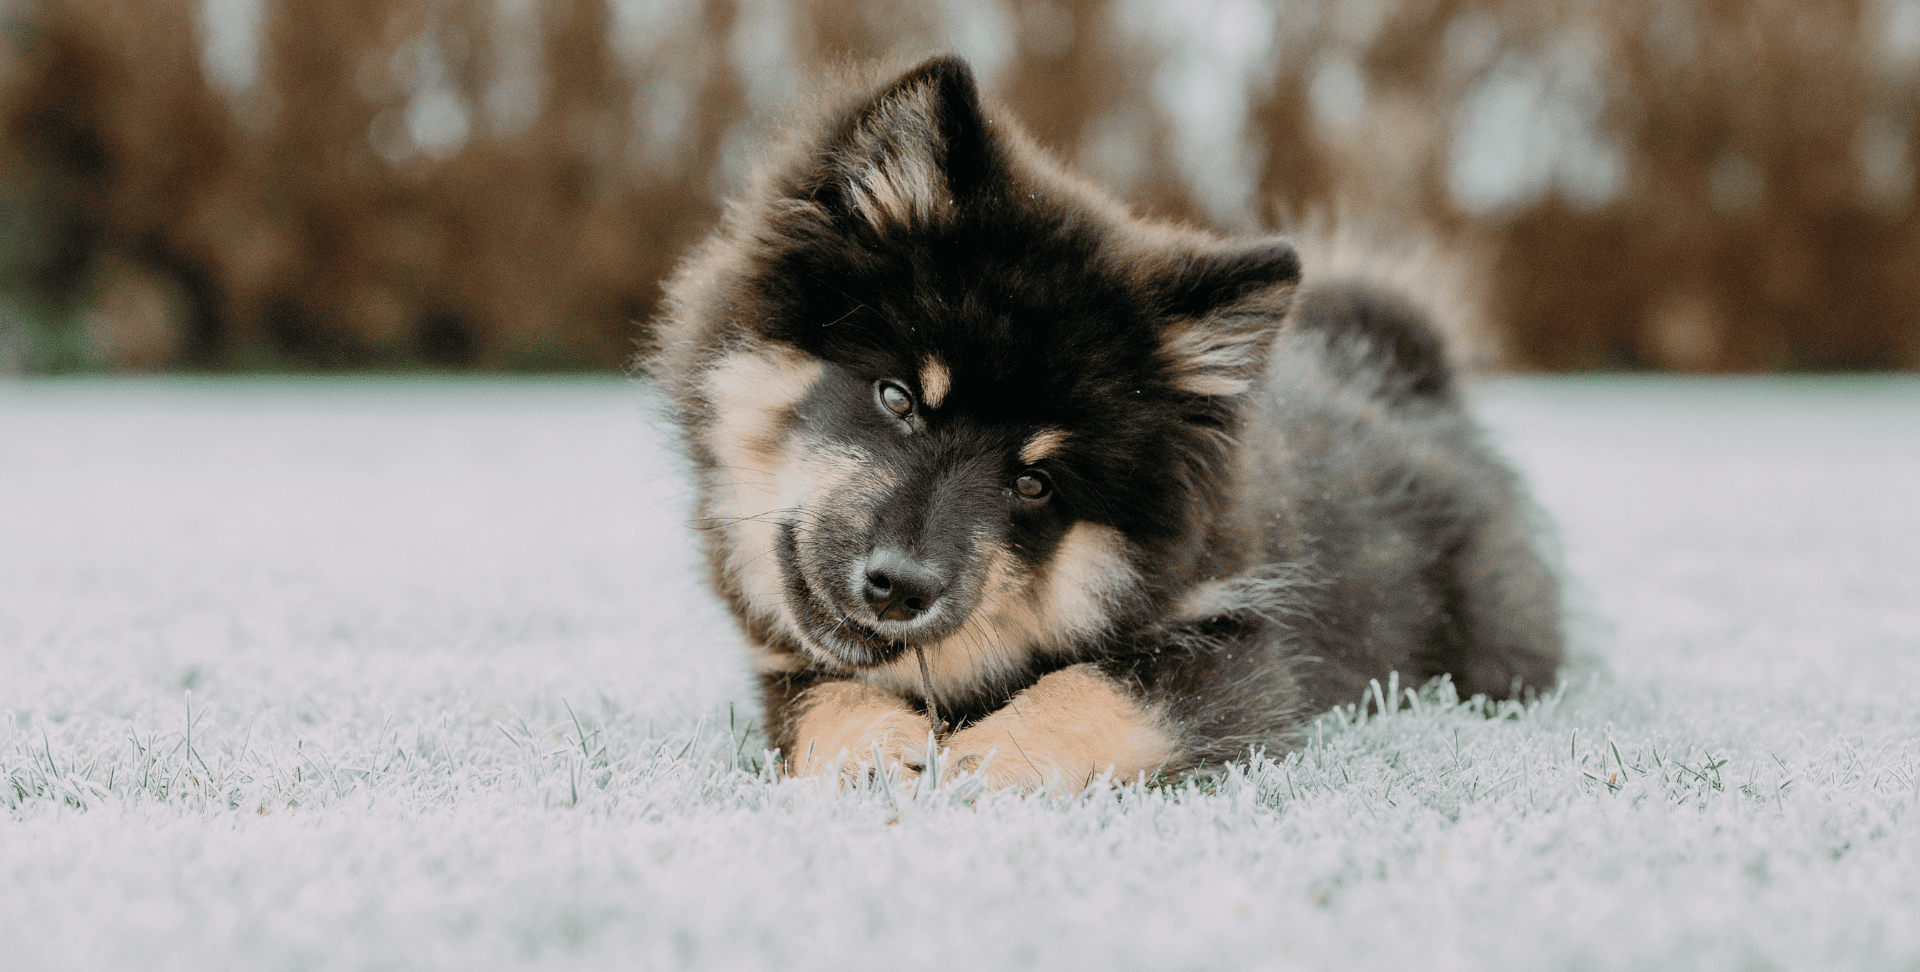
point(380, 674)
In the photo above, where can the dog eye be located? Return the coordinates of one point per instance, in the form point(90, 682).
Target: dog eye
point(894, 398)
point(1032, 484)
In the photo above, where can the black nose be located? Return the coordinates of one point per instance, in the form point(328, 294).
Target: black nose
point(900, 588)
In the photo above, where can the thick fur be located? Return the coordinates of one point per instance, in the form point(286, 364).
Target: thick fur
point(1134, 499)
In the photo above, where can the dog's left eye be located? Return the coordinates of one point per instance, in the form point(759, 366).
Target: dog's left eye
point(1032, 484)
point(894, 398)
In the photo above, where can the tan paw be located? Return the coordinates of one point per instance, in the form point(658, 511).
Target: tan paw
point(995, 755)
point(1062, 733)
point(854, 732)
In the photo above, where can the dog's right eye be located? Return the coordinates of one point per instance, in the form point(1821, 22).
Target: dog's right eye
point(894, 398)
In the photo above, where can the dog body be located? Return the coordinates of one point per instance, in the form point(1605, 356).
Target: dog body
point(982, 455)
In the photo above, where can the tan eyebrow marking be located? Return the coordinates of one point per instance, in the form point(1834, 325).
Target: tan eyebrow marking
point(1047, 442)
point(935, 380)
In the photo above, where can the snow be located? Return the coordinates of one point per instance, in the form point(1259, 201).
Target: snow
point(375, 673)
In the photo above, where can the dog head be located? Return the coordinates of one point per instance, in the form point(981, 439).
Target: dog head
point(950, 398)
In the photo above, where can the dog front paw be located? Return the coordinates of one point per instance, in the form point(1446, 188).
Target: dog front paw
point(854, 733)
point(994, 755)
point(1063, 732)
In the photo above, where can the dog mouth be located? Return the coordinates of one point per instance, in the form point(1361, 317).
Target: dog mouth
point(834, 630)
point(842, 631)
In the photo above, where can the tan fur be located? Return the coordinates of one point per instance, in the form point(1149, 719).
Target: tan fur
point(1022, 615)
point(1203, 600)
point(935, 382)
point(902, 190)
point(1211, 383)
point(1062, 731)
point(1210, 360)
point(841, 724)
point(1088, 571)
point(767, 661)
point(749, 391)
point(1044, 444)
point(905, 185)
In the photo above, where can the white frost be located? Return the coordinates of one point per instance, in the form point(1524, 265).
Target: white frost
point(458, 700)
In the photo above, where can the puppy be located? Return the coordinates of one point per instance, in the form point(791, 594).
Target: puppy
point(984, 457)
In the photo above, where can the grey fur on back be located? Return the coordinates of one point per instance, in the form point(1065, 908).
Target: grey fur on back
point(1367, 470)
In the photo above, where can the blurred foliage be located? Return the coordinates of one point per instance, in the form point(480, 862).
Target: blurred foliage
point(1703, 186)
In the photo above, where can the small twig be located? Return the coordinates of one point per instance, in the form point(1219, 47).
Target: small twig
point(926, 688)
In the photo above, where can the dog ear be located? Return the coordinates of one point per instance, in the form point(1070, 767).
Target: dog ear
point(909, 151)
point(1224, 308)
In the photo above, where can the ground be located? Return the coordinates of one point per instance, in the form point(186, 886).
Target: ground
point(355, 674)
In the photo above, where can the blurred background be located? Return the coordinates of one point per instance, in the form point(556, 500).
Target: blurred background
point(243, 185)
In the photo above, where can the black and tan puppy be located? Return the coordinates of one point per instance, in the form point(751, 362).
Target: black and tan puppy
point(1138, 500)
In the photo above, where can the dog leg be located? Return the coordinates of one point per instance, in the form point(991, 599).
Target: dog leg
point(838, 727)
point(1509, 600)
point(1063, 731)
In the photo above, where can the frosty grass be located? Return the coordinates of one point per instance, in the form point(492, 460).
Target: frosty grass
point(356, 674)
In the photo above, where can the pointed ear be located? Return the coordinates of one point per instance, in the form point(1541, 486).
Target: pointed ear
point(910, 151)
point(1224, 308)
